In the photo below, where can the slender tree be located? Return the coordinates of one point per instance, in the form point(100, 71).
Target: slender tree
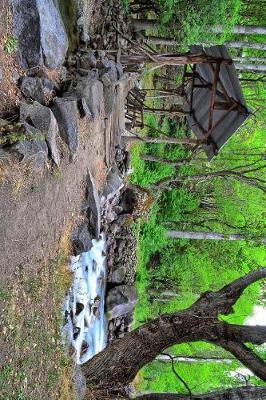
point(174, 234)
point(144, 24)
point(240, 174)
point(251, 67)
point(241, 393)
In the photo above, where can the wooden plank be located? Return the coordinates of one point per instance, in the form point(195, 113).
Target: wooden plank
point(213, 93)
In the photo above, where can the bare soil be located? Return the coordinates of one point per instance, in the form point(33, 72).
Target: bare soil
point(9, 68)
point(35, 209)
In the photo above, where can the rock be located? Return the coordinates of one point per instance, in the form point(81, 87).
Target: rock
point(44, 120)
point(84, 110)
point(76, 332)
point(93, 203)
point(91, 89)
point(54, 41)
point(120, 310)
point(114, 182)
point(113, 73)
point(33, 151)
point(66, 113)
point(118, 276)
point(119, 70)
point(109, 93)
point(128, 201)
point(41, 34)
point(88, 60)
point(26, 24)
point(32, 89)
point(84, 347)
point(81, 239)
point(79, 308)
point(124, 296)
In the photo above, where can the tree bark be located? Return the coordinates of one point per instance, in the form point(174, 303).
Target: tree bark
point(248, 45)
point(160, 41)
point(143, 24)
point(241, 393)
point(119, 363)
point(249, 60)
point(242, 29)
point(250, 67)
point(150, 139)
point(193, 359)
point(173, 234)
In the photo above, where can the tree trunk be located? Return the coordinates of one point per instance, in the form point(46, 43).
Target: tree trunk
point(174, 163)
point(191, 359)
point(248, 60)
point(143, 24)
point(251, 67)
point(150, 139)
point(242, 29)
point(241, 393)
point(118, 364)
point(160, 41)
point(247, 45)
point(209, 236)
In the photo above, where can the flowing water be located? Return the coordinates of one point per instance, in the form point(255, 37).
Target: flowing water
point(86, 326)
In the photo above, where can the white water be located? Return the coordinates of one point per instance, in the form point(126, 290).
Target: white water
point(86, 327)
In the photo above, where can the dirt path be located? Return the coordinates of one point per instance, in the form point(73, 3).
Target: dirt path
point(33, 220)
point(9, 69)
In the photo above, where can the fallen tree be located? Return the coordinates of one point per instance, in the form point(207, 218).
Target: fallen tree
point(117, 365)
point(241, 393)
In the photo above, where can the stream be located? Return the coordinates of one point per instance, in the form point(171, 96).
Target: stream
point(86, 327)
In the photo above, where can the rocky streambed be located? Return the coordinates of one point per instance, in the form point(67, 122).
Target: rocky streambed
point(100, 304)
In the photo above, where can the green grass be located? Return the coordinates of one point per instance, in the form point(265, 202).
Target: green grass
point(36, 365)
point(11, 44)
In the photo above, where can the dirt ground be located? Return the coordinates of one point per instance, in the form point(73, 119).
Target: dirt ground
point(35, 210)
point(9, 68)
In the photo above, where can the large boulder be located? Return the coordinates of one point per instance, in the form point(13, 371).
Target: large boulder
point(109, 93)
point(81, 239)
point(114, 183)
point(41, 34)
point(39, 88)
point(66, 112)
point(43, 119)
point(91, 90)
point(32, 88)
point(120, 301)
point(118, 276)
point(33, 151)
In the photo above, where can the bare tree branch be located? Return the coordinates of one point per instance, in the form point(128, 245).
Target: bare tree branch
point(247, 357)
point(177, 375)
point(240, 393)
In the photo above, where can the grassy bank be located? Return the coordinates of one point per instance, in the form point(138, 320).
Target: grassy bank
point(35, 364)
